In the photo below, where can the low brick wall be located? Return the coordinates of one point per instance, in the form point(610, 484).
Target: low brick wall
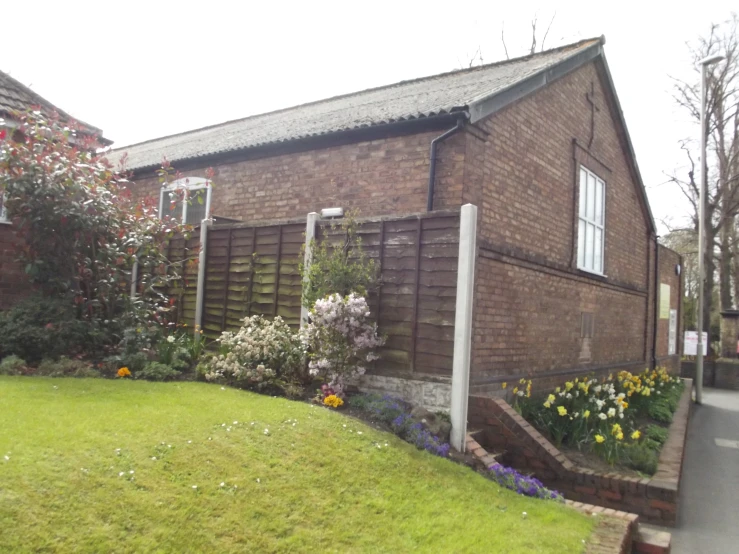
point(720, 374)
point(501, 429)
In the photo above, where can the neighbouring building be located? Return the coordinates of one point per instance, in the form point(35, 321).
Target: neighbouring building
point(14, 98)
point(569, 276)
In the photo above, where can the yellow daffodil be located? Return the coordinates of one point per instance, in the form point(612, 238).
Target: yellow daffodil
point(635, 435)
point(547, 405)
point(551, 398)
point(515, 390)
point(599, 438)
point(562, 410)
point(586, 414)
point(504, 385)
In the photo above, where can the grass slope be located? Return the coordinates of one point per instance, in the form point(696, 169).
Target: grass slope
point(316, 481)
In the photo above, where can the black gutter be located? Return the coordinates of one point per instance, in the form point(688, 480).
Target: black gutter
point(656, 301)
point(432, 163)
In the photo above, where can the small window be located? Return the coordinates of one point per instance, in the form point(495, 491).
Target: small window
point(591, 222)
point(186, 200)
point(3, 210)
point(587, 325)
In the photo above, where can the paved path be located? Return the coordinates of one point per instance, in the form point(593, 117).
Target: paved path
point(708, 521)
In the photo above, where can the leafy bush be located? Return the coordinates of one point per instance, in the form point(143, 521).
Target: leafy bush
point(66, 367)
point(83, 228)
point(13, 365)
point(340, 338)
point(656, 433)
point(156, 371)
point(384, 407)
point(338, 267)
point(260, 354)
point(48, 326)
point(660, 411)
point(523, 484)
point(640, 457)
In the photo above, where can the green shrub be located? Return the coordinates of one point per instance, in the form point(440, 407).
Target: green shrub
point(156, 371)
point(13, 365)
point(656, 433)
point(659, 410)
point(652, 444)
point(48, 327)
point(641, 458)
point(66, 367)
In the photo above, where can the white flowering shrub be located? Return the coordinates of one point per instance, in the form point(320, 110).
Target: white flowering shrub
point(340, 339)
point(261, 353)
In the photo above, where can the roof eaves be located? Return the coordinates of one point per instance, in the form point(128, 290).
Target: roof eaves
point(631, 154)
point(486, 105)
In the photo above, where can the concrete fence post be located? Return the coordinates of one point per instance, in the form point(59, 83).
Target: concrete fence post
point(134, 278)
point(310, 234)
point(200, 295)
point(463, 324)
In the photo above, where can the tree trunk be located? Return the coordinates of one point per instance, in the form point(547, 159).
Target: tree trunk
point(725, 263)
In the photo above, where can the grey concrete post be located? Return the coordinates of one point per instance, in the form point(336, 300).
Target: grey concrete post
point(310, 234)
point(463, 325)
point(200, 296)
point(134, 278)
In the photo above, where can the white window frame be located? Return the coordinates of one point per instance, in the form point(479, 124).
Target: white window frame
point(587, 219)
point(190, 184)
point(4, 211)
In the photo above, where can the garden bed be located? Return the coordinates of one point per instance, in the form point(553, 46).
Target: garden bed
point(502, 430)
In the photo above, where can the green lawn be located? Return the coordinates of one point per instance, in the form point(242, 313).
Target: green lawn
point(80, 475)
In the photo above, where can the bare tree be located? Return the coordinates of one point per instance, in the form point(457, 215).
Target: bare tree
point(722, 160)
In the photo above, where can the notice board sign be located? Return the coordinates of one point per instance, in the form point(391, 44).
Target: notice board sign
point(690, 346)
point(664, 301)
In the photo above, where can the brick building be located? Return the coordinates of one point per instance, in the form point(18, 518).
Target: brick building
point(568, 271)
point(14, 98)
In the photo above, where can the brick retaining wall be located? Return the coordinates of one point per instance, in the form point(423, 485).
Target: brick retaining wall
point(503, 430)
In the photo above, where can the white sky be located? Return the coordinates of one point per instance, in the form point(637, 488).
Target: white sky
point(140, 70)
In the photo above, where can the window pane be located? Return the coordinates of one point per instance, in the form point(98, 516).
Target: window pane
point(598, 253)
point(581, 244)
point(591, 197)
point(196, 210)
point(599, 202)
point(589, 240)
point(583, 191)
point(171, 205)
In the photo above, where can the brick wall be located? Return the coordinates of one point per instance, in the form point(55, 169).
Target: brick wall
point(14, 283)
point(379, 177)
point(530, 297)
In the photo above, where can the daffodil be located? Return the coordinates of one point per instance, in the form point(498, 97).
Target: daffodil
point(504, 385)
point(547, 404)
point(562, 410)
point(586, 414)
point(635, 435)
point(599, 438)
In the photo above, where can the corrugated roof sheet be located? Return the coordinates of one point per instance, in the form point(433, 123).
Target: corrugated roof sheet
point(17, 97)
point(419, 98)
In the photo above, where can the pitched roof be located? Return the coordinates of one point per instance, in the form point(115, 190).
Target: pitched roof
point(17, 97)
point(467, 91)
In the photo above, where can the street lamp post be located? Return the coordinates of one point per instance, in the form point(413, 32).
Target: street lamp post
point(704, 64)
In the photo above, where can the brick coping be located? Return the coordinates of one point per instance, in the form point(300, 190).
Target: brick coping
point(655, 499)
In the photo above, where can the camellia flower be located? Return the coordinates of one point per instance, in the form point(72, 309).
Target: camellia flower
point(562, 410)
point(599, 438)
point(635, 435)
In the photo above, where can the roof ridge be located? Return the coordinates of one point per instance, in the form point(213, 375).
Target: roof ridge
point(572, 45)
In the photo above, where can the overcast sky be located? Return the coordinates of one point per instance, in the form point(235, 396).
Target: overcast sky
point(140, 70)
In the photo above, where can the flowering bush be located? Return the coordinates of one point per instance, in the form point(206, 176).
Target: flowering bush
point(523, 484)
point(340, 339)
point(261, 353)
point(397, 414)
point(333, 401)
point(123, 372)
point(601, 414)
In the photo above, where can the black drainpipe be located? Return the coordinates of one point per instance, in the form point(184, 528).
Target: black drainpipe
point(656, 301)
point(432, 166)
